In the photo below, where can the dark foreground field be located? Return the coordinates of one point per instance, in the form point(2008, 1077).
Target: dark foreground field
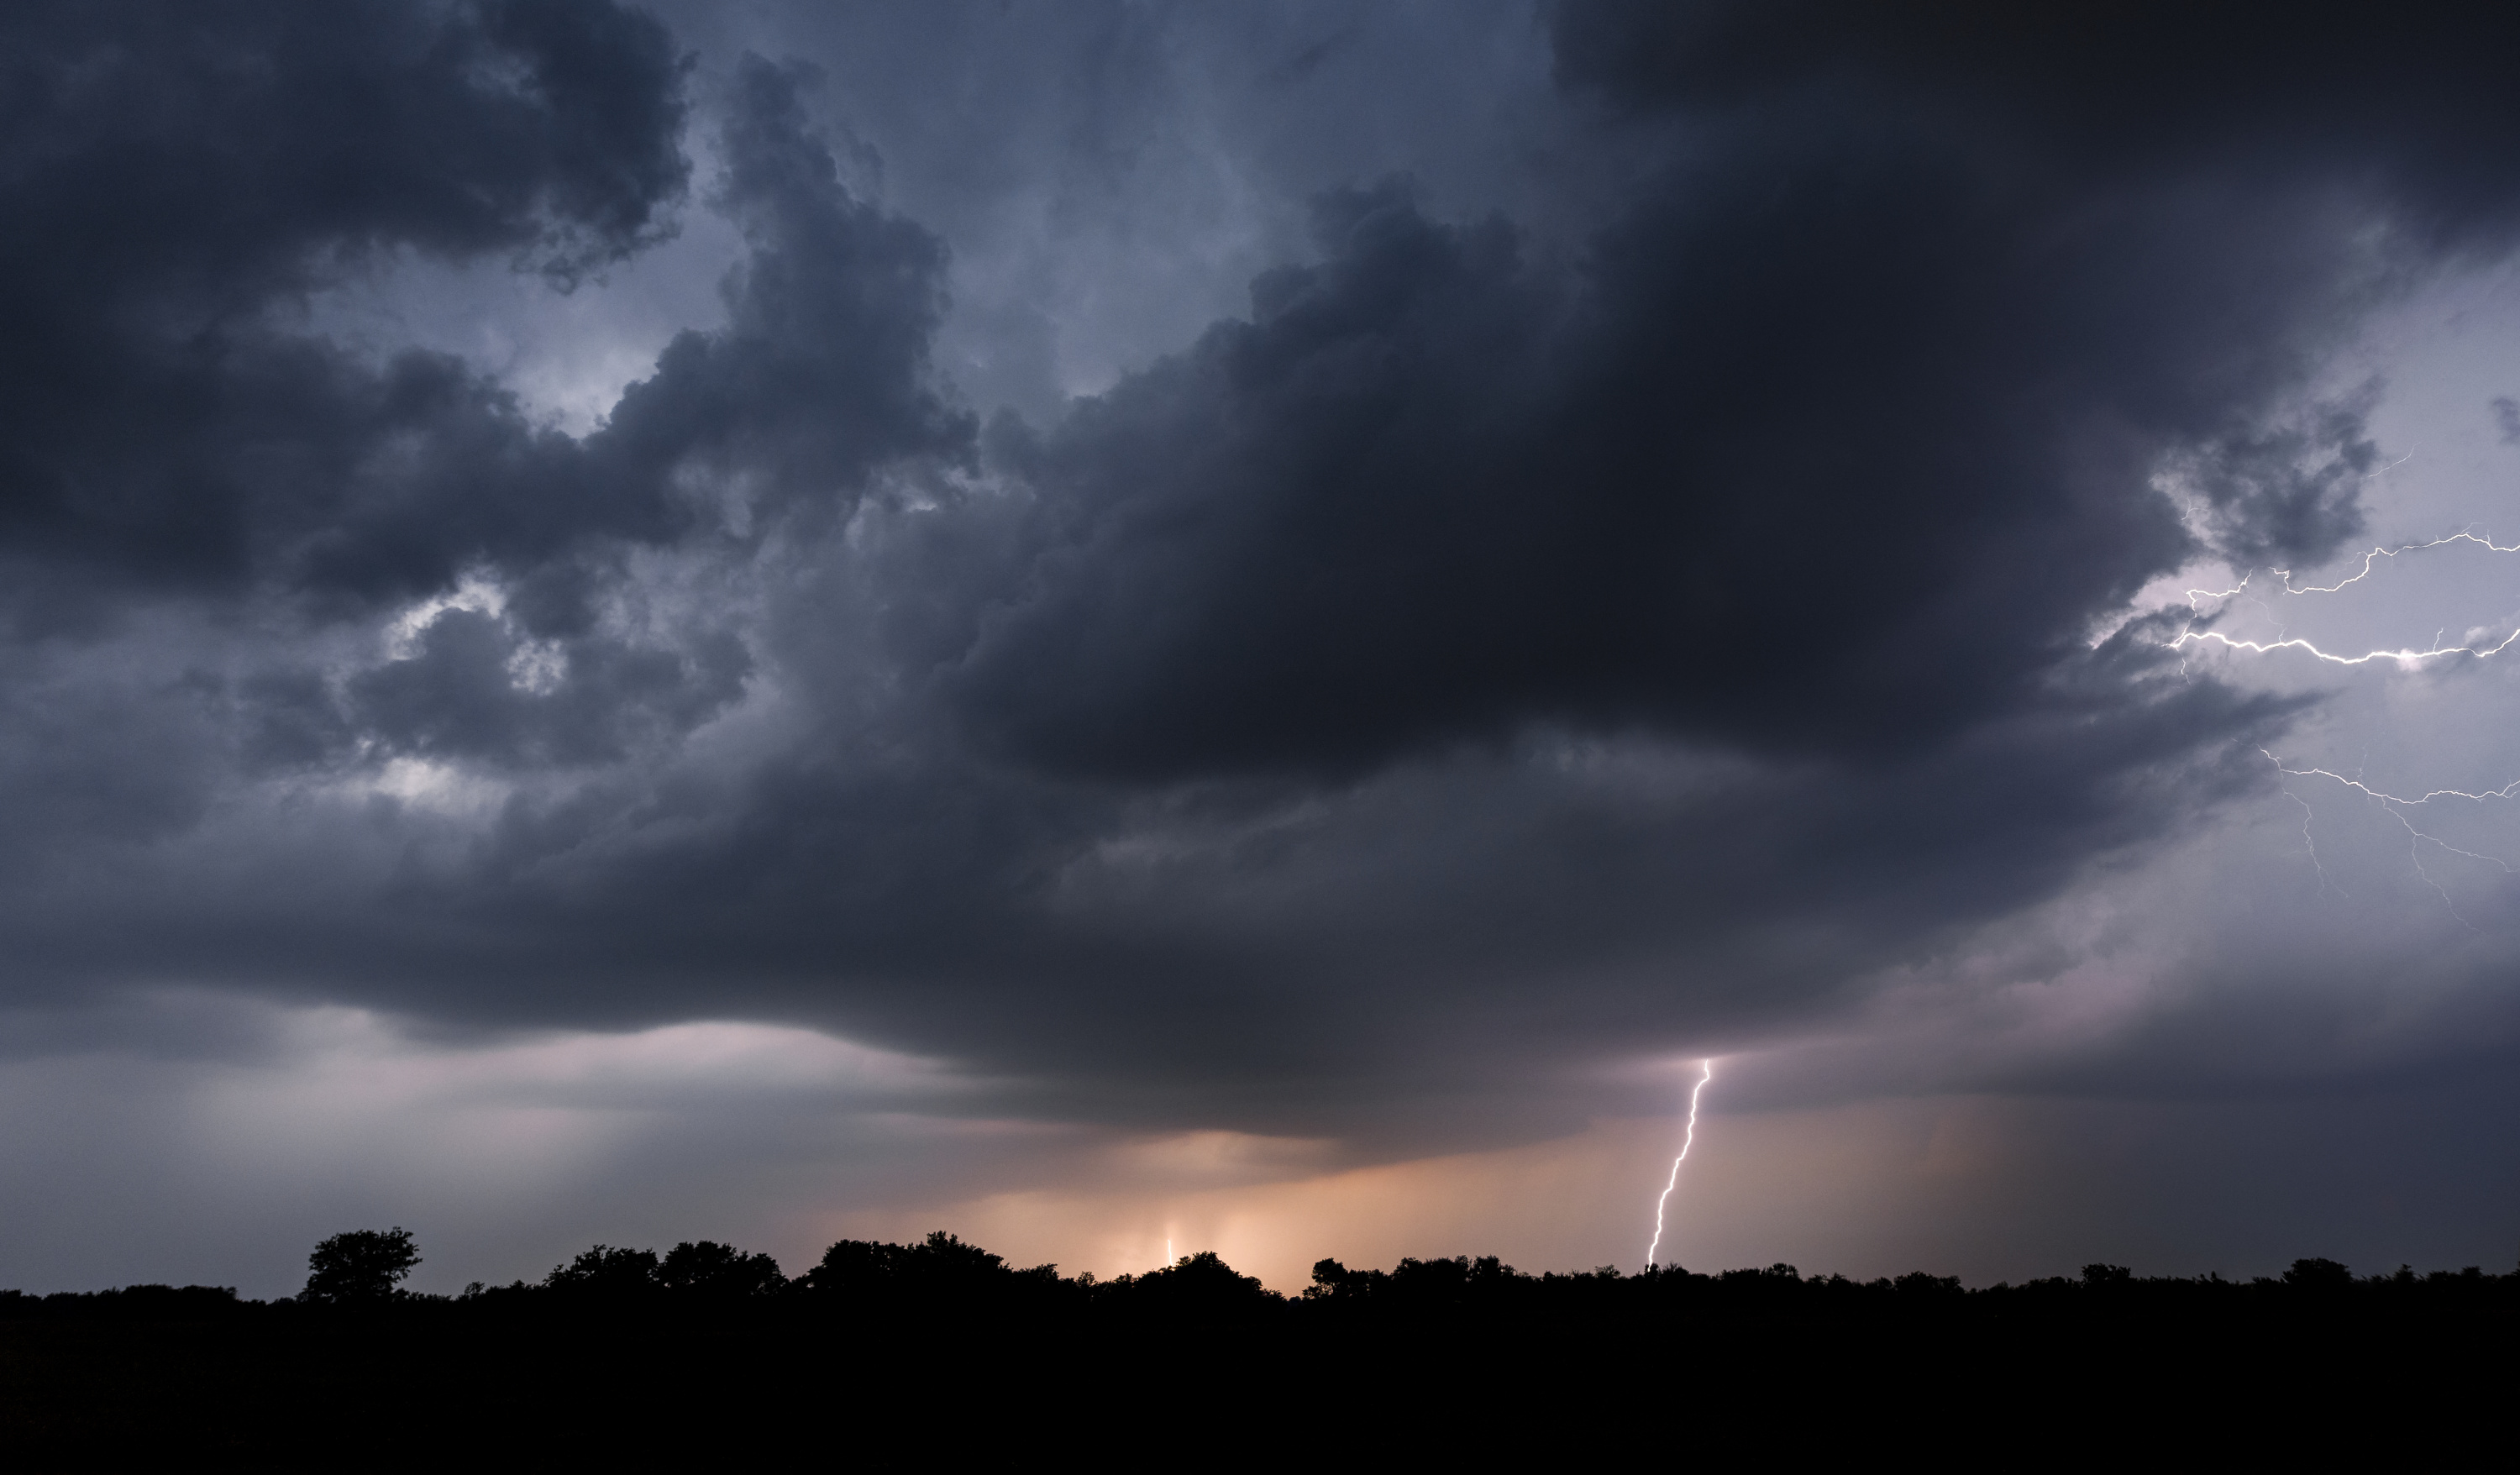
point(1450, 1360)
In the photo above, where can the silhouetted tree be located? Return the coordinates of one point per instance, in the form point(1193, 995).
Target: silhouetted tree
point(359, 1266)
point(1200, 1284)
point(1333, 1282)
point(2318, 1275)
point(939, 1269)
point(709, 1270)
point(606, 1273)
point(2106, 1277)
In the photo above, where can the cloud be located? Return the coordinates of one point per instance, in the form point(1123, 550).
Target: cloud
point(460, 695)
point(1771, 466)
point(180, 177)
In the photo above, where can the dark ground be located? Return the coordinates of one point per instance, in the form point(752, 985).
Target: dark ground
point(2083, 1375)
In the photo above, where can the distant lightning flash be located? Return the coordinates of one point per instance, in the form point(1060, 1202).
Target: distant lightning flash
point(1707, 1069)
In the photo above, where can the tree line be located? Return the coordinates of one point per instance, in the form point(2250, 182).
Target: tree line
point(364, 1270)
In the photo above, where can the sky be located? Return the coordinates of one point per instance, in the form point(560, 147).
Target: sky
point(1128, 628)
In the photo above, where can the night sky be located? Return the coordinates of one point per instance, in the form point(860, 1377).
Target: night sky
point(1254, 627)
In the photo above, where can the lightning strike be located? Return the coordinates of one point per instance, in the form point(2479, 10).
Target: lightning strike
point(2400, 807)
point(2368, 564)
point(2407, 659)
point(2391, 466)
point(2395, 806)
point(2309, 844)
point(1690, 1140)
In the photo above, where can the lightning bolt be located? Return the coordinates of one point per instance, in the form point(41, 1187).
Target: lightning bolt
point(2370, 562)
point(2399, 807)
point(2309, 844)
point(2396, 806)
point(1707, 1069)
point(2405, 657)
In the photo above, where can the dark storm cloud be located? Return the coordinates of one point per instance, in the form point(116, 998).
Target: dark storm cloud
point(1412, 940)
point(458, 697)
point(1830, 450)
point(1839, 438)
point(1479, 659)
point(2108, 95)
point(820, 375)
point(175, 438)
point(111, 761)
point(180, 178)
point(172, 173)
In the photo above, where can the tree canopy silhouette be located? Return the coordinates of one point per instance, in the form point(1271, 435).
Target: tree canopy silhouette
point(359, 1266)
point(604, 1272)
point(943, 1275)
point(716, 1272)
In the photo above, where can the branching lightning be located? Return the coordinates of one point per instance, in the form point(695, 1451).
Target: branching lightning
point(2371, 560)
point(2405, 657)
point(1706, 1073)
point(2406, 810)
point(2307, 843)
point(2396, 806)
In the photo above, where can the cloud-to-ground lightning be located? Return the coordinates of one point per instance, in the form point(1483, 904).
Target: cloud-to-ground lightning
point(1707, 1069)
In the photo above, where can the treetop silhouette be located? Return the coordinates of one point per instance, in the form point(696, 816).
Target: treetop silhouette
point(360, 1265)
point(944, 1275)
